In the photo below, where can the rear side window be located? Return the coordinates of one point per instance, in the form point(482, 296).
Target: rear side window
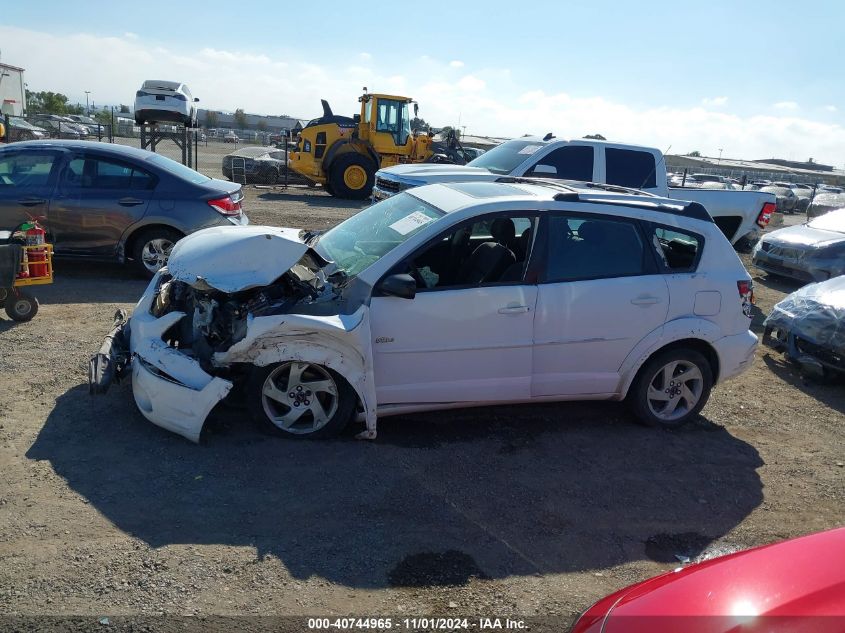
point(571, 162)
point(678, 251)
point(628, 168)
point(591, 248)
point(98, 173)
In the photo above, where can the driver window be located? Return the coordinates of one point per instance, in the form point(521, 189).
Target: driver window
point(490, 251)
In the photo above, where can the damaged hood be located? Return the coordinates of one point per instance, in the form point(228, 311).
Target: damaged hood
point(815, 312)
point(235, 258)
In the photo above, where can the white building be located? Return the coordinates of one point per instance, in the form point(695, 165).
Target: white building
point(12, 90)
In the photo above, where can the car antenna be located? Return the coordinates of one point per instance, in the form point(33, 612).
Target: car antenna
point(662, 161)
point(548, 137)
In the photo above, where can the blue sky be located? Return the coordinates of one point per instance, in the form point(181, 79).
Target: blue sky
point(757, 79)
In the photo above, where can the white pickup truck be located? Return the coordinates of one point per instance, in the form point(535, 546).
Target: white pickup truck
point(737, 213)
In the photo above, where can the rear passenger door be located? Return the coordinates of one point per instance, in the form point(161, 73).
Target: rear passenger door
point(97, 199)
point(599, 295)
point(27, 179)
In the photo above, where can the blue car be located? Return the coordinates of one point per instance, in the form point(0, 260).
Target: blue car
point(111, 202)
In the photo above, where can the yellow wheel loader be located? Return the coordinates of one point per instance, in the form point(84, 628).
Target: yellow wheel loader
point(343, 153)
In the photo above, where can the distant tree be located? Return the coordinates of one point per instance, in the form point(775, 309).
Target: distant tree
point(48, 102)
point(102, 116)
point(695, 154)
point(445, 131)
point(211, 119)
point(240, 119)
point(418, 124)
point(124, 109)
point(597, 137)
point(261, 126)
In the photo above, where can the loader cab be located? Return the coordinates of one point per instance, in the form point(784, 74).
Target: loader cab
point(387, 123)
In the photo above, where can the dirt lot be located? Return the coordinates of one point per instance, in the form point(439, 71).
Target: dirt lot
point(505, 511)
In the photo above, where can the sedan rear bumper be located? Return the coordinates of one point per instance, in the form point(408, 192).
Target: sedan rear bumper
point(735, 353)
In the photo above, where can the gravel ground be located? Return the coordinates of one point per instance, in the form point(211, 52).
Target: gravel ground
point(521, 511)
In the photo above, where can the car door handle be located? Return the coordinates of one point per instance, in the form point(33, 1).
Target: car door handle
point(31, 202)
point(645, 301)
point(129, 202)
point(514, 310)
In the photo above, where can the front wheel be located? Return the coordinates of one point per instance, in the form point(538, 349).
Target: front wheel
point(152, 249)
point(671, 388)
point(300, 400)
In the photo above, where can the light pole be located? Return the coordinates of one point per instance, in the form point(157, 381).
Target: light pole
point(87, 107)
point(720, 156)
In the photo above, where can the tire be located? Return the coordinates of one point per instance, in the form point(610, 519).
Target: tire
point(352, 176)
point(21, 306)
point(328, 188)
point(691, 374)
point(139, 122)
point(310, 413)
point(151, 249)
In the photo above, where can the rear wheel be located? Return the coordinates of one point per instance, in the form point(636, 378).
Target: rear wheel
point(671, 388)
point(21, 306)
point(352, 176)
point(328, 188)
point(300, 400)
point(151, 249)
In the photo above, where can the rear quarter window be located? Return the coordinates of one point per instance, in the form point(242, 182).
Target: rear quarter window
point(678, 251)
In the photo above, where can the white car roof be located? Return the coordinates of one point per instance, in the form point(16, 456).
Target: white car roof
point(160, 84)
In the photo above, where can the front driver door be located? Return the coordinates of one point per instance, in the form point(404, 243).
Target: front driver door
point(456, 341)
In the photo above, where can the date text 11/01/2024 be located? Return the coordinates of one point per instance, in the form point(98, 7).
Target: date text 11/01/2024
point(412, 624)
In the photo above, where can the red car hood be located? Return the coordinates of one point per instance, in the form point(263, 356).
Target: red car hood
point(796, 585)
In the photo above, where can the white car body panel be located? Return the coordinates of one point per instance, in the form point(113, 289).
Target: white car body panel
point(583, 330)
point(454, 345)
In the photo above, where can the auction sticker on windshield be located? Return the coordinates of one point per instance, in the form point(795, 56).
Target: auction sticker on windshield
point(411, 222)
point(529, 149)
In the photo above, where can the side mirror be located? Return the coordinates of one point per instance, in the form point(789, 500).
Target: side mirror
point(196, 100)
point(543, 170)
point(402, 286)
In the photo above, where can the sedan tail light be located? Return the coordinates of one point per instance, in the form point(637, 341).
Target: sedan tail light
point(766, 214)
point(226, 206)
point(746, 295)
point(141, 93)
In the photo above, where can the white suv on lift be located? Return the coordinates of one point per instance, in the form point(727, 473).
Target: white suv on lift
point(443, 296)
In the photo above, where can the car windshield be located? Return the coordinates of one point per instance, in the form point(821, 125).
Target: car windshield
point(366, 237)
point(504, 158)
point(833, 221)
point(178, 169)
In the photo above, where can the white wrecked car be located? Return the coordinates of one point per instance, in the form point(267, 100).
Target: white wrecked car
point(445, 296)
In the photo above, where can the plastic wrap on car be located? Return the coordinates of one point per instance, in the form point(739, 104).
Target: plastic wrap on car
point(826, 202)
point(815, 313)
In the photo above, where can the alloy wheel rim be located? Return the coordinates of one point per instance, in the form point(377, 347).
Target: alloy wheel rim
point(299, 398)
point(674, 390)
point(155, 253)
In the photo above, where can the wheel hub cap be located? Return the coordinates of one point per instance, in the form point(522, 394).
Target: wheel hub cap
point(354, 177)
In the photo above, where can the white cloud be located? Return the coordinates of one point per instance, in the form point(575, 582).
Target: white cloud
point(714, 101)
point(785, 105)
point(129, 35)
point(365, 57)
point(831, 108)
point(456, 64)
point(489, 101)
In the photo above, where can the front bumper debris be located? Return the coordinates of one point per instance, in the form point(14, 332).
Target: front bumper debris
point(109, 364)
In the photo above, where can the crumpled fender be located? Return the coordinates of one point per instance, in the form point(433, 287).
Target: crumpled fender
point(340, 342)
point(679, 329)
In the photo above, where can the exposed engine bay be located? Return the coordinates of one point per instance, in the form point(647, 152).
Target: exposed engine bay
point(217, 320)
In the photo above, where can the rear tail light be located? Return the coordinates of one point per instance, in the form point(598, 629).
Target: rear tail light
point(141, 93)
point(180, 97)
point(226, 206)
point(766, 214)
point(746, 295)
